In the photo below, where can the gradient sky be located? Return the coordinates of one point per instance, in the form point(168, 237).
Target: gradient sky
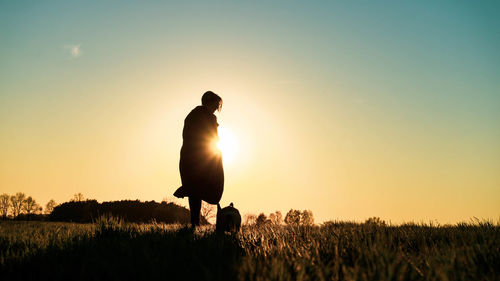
point(351, 109)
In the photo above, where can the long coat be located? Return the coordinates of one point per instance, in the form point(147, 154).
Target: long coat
point(200, 165)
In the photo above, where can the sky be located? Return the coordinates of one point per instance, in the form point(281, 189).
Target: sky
point(350, 109)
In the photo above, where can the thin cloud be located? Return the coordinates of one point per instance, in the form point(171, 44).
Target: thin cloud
point(74, 50)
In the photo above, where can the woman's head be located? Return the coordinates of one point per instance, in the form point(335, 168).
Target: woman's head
point(212, 101)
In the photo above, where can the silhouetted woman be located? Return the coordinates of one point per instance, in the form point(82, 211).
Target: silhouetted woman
point(200, 165)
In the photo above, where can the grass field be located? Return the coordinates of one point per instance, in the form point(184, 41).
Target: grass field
point(113, 250)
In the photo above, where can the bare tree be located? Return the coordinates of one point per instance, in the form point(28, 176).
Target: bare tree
point(4, 204)
point(293, 217)
point(78, 197)
point(276, 218)
point(30, 206)
point(250, 219)
point(306, 218)
point(208, 211)
point(16, 203)
point(50, 206)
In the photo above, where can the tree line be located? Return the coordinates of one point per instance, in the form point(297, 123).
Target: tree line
point(78, 209)
point(293, 217)
point(128, 210)
point(14, 206)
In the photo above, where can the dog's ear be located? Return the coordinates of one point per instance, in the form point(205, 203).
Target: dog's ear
point(218, 207)
point(231, 204)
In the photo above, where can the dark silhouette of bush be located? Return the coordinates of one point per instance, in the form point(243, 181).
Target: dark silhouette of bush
point(31, 217)
point(128, 210)
point(76, 211)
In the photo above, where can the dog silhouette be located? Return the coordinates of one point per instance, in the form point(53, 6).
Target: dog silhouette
point(228, 219)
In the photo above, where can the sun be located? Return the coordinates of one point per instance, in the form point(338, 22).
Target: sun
point(228, 144)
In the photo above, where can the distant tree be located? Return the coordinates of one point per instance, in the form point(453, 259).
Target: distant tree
point(293, 217)
point(375, 221)
point(261, 219)
point(276, 218)
point(306, 218)
point(78, 197)
point(4, 204)
point(250, 219)
point(17, 203)
point(30, 206)
point(50, 206)
point(208, 211)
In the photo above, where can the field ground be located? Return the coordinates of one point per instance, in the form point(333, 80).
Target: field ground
point(113, 250)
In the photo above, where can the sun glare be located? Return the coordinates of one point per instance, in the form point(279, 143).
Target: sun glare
point(227, 144)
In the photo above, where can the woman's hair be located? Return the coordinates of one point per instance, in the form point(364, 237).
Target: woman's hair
point(210, 97)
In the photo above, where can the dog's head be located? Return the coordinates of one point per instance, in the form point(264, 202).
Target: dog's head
point(228, 219)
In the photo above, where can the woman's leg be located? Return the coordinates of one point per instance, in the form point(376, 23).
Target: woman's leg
point(195, 208)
